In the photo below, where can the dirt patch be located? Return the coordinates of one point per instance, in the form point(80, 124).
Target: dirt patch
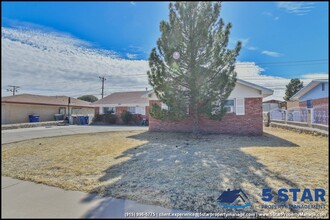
point(173, 170)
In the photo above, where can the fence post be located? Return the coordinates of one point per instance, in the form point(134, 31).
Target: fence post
point(286, 116)
point(309, 117)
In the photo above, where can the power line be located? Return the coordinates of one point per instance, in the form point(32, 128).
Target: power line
point(294, 64)
point(297, 61)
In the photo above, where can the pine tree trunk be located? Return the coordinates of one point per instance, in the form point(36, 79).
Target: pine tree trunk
point(195, 119)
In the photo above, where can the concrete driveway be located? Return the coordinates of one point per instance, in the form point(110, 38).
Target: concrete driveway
point(8, 136)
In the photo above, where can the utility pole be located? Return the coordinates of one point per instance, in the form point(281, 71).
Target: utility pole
point(13, 89)
point(103, 79)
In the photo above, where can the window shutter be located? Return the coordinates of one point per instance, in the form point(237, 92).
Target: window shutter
point(143, 111)
point(240, 106)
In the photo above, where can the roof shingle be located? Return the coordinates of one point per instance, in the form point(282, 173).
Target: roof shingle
point(119, 98)
point(45, 100)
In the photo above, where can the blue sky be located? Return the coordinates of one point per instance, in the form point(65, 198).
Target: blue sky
point(273, 34)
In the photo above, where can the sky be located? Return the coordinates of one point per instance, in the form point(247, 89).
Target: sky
point(61, 48)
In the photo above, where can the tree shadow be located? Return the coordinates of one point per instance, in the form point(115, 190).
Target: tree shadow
point(177, 172)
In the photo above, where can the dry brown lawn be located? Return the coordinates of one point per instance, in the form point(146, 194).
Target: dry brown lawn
point(70, 162)
point(173, 170)
point(306, 164)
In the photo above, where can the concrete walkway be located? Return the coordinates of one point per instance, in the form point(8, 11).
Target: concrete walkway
point(8, 136)
point(23, 199)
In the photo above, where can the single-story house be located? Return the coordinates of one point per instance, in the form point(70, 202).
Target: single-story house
point(314, 99)
point(135, 102)
point(270, 105)
point(17, 108)
point(244, 114)
point(315, 93)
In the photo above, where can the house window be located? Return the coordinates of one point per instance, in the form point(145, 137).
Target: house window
point(229, 105)
point(323, 86)
point(140, 110)
point(131, 110)
point(108, 110)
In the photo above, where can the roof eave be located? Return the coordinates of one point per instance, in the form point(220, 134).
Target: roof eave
point(264, 91)
point(305, 90)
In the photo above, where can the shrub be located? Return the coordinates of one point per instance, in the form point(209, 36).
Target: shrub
point(97, 118)
point(110, 118)
point(106, 118)
point(137, 119)
point(126, 117)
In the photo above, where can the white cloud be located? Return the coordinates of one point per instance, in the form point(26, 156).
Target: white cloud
point(251, 48)
point(269, 14)
point(58, 64)
point(131, 55)
point(133, 3)
point(315, 76)
point(271, 53)
point(298, 8)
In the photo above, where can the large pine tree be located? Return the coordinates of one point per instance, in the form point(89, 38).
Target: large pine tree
point(192, 69)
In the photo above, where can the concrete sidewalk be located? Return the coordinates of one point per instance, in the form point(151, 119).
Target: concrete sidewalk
point(8, 136)
point(23, 199)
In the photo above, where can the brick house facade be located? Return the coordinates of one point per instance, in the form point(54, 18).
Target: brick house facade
point(248, 123)
point(315, 102)
point(135, 102)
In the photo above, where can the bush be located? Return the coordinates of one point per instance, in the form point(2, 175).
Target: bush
point(106, 118)
point(126, 117)
point(137, 119)
point(97, 118)
point(110, 118)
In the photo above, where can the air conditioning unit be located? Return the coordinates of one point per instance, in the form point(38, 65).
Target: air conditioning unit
point(229, 109)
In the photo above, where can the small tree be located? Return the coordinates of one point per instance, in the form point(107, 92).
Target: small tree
point(292, 88)
point(192, 70)
point(88, 98)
